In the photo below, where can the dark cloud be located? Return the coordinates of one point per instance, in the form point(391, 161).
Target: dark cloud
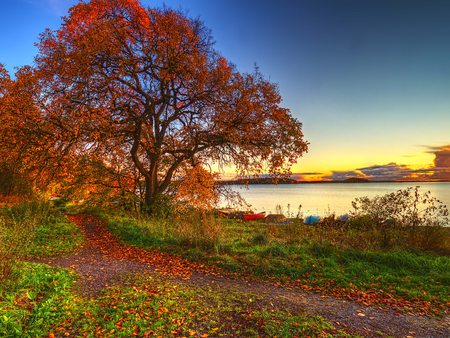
point(441, 169)
point(387, 172)
point(442, 159)
point(433, 150)
point(343, 175)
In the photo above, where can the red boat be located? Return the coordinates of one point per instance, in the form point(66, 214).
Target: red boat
point(252, 217)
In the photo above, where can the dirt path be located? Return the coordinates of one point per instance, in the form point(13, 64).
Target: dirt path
point(103, 261)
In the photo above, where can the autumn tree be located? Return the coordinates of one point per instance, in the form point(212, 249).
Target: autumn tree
point(100, 181)
point(17, 130)
point(147, 82)
point(11, 180)
point(32, 149)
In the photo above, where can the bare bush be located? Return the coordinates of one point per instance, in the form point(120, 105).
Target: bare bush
point(407, 207)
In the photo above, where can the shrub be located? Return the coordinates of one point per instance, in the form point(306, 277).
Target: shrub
point(405, 219)
point(430, 238)
point(408, 207)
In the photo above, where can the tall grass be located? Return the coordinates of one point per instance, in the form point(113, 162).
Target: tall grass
point(32, 229)
point(205, 231)
point(17, 230)
point(189, 229)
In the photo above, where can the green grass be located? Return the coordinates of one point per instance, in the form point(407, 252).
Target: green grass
point(56, 236)
point(32, 229)
point(39, 230)
point(301, 255)
point(42, 301)
point(43, 304)
point(41, 298)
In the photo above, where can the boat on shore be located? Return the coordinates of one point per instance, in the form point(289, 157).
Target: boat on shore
point(252, 217)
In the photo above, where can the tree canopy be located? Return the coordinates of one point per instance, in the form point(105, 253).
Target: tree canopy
point(144, 90)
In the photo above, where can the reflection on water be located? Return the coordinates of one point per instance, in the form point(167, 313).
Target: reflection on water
point(324, 198)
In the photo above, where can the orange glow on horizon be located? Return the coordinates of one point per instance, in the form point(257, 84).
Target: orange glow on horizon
point(433, 165)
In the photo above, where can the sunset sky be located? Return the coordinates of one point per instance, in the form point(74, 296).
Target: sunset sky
point(369, 80)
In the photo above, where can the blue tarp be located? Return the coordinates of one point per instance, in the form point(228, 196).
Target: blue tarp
point(312, 219)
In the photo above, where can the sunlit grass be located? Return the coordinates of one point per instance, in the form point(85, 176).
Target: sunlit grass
point(40, 298)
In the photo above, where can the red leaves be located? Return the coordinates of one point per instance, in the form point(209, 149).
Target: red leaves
point(108, 244)
point(375, 297)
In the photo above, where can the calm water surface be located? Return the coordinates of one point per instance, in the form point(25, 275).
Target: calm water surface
point(324, 198)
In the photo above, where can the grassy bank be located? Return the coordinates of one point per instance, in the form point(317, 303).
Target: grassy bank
point(41, 301)
point(355, 263)
point(351, 263)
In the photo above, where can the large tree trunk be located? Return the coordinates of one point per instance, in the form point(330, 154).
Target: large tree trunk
point(149, 202)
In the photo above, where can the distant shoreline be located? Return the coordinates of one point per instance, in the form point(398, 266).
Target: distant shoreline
point(292, 181)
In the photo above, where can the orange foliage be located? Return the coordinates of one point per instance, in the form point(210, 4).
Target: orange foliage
point(197, 188)
point(118, 80)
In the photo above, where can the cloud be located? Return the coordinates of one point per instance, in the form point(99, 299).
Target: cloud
point(387, 172)
point(343, 175)
point(442, 163)
point(401, 172)
point(442, 159)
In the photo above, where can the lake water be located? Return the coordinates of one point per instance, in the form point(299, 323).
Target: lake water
point(324, 198)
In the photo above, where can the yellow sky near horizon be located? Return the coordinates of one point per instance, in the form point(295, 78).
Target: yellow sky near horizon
point(428, 163)
point(348, 162)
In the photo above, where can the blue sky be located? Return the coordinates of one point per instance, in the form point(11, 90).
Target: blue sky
point(370, 80)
